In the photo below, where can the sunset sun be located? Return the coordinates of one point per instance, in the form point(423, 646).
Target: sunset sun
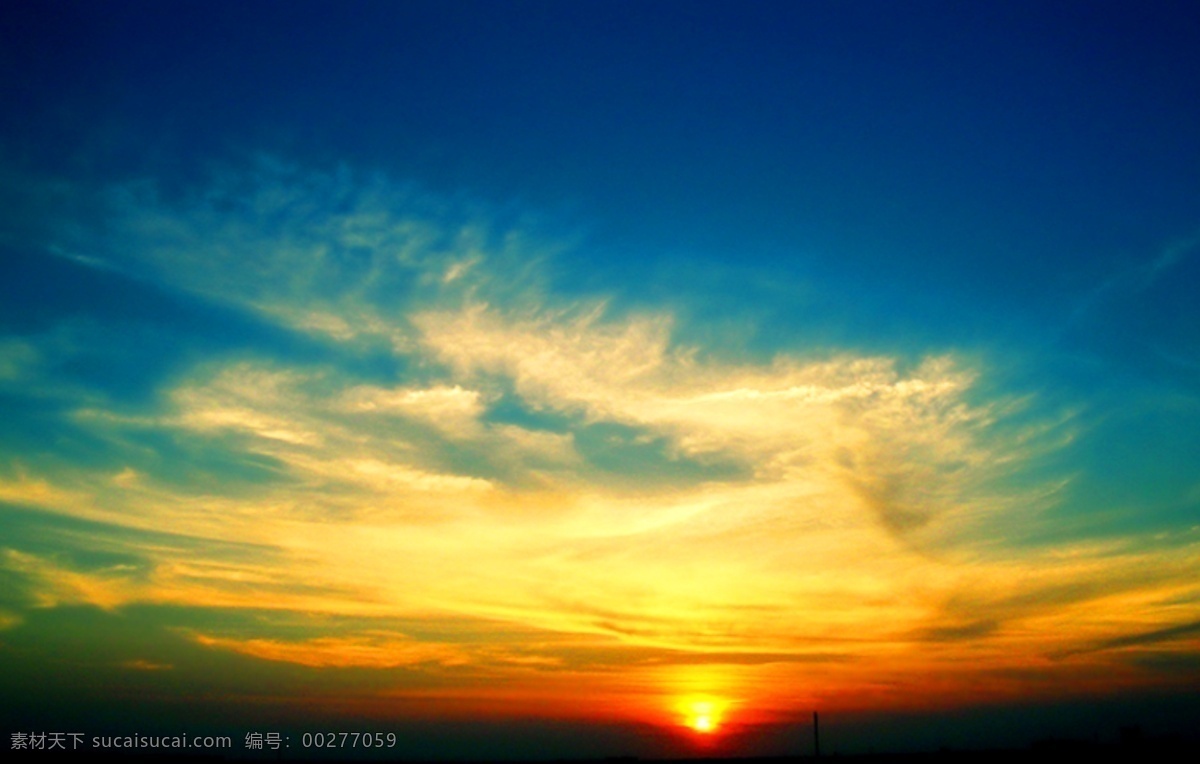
point(703, 716)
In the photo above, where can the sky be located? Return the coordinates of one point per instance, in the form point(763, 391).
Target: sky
point(542, 379)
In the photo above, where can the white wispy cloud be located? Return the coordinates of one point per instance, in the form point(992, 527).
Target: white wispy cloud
point(833, 505)
point(1136, 278)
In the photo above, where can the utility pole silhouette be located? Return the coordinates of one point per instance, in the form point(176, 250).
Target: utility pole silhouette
point(816, 736)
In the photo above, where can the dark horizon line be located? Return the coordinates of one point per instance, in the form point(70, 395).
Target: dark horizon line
point(1049, 749)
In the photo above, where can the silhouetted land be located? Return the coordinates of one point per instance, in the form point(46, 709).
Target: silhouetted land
point(1054, 750)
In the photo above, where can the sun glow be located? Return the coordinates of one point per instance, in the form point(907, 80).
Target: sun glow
point(703, 716)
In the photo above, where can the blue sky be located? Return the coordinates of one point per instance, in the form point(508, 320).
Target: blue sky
point(462, 363)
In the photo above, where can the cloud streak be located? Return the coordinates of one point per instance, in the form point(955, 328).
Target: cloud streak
point(518, 460)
